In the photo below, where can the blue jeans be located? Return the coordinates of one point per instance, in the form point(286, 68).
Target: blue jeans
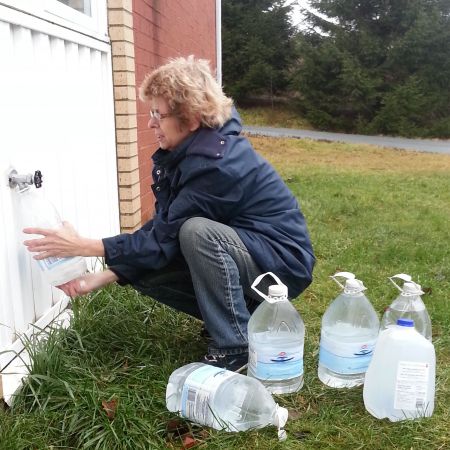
point(210, 281)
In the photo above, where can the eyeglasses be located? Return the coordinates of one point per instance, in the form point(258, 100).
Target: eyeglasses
point(159, 116)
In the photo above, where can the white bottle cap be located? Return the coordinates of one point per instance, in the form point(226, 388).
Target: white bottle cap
point(281, 417)
point(353, 286)
point(278, 290)
point(411, 288)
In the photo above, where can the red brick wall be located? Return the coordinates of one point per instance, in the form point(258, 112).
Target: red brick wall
point(165, 29)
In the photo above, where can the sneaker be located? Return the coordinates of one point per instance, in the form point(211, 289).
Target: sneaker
point(235, 363)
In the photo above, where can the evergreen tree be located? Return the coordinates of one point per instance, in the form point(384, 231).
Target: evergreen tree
point(378, 66)
point(256, 47)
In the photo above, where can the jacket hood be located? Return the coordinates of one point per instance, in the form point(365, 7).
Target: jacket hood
point(234, 125)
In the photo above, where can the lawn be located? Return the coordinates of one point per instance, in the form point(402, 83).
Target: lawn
point(375, 212)
point(279, 116)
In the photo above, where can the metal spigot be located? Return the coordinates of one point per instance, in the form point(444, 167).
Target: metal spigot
point(24, 181)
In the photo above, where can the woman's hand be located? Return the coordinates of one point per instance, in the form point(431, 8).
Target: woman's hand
point(88, 283)
point(62, 242)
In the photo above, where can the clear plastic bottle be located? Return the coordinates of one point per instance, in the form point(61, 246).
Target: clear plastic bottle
point(223, 400)
point(400, 381)
point(36, 211)
point(349, 332)
point(276, 336)
point(408, 305)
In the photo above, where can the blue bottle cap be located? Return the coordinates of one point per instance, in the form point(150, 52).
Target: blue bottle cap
point(405, 322)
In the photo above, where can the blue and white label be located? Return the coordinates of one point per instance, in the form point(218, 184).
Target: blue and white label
point(346, 358)
point(198, 392)
point(269, 364)
point(50, 263)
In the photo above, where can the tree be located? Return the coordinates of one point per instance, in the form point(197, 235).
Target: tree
point(377, 66)
point(256, 47)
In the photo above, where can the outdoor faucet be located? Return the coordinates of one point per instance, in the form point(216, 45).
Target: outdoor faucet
point(23, 181)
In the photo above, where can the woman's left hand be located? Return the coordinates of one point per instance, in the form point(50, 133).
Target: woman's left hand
point(88, 283)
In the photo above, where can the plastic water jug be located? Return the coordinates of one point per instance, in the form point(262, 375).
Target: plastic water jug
point(222, 399)
point(408, 305)
point(400, 381)
point(37, 211)
point(349, 332)
point(276, 336)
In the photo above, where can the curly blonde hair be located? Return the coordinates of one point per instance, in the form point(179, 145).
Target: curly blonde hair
point(190, 90)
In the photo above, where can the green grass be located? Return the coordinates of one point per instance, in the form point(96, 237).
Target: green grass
point(280, 116)
point(370, 211)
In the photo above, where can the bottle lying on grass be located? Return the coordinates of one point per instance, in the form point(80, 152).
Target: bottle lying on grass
point(222, 399)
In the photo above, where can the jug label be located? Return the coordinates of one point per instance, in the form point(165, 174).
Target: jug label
point(346, 358)
point(50, 263)
point(270, 365)
point(198, 392)
point(411, 385)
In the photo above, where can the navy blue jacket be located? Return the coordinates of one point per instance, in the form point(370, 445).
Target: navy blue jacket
point(216, 174)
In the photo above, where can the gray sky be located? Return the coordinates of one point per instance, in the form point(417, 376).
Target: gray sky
point(297, 16)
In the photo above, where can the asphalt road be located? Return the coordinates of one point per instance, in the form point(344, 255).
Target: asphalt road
point(420, 145)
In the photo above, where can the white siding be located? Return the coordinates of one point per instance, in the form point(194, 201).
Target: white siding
point(56, 115)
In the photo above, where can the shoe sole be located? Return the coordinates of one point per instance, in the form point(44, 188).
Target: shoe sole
point(241, 369)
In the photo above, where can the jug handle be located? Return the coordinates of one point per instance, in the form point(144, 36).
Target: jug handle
point(258, 280)
point(401, 276)
point(346, 275)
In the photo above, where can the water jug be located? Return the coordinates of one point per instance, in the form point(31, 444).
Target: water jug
point(349, 332)
point(400, 381)
point(37, 211)
point(276, 335)
point(222, 399)
point(408, 305)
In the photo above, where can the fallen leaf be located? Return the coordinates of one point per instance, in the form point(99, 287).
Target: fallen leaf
point(110, 408)
point(294, 414)
point(177, 426)
point(189, 441)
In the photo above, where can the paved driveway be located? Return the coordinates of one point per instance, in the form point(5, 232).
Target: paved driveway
point(421, 145)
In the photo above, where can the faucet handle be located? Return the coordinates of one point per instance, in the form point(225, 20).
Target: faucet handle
point(37, 179)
